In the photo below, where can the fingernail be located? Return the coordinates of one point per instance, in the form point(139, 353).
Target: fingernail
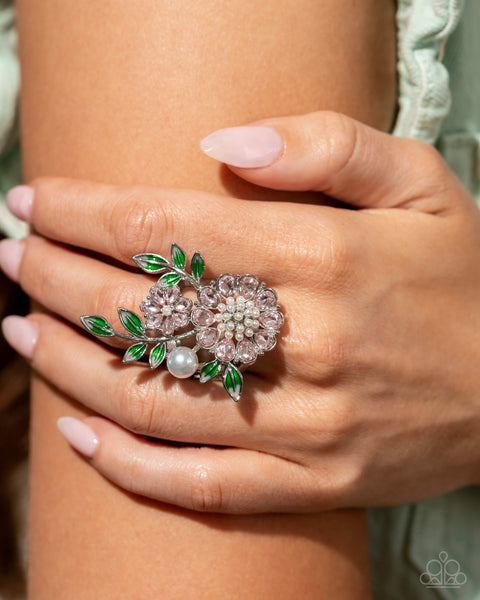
point(19, 201)
point(21, 334)
point(11, 253)
point(246, 147)
point(78, 435)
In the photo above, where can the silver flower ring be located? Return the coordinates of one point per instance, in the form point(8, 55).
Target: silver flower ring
point(235, 318)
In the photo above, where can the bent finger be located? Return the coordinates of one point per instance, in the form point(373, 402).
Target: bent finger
point(205, 478)
point(339, 156)
point(145, 401)
point(71, 284)
point(121, 222)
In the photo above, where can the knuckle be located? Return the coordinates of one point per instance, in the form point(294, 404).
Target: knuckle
point(136, 405)
point(337, 138)
point(206, 492)
point(320, 348)
point(111, 295)
point(328, 264)
point(433, 175)
point(132, 225)
point(138, 221)
point(340, 422)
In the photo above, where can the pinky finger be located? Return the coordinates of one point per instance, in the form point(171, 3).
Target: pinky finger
point(205, 479)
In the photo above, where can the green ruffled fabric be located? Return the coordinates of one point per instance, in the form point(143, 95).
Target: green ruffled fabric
point(439, 81)
point(10, 160)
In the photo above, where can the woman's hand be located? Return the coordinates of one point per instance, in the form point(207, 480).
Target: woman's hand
point(372, 394)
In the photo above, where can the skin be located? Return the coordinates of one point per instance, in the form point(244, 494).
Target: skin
point(96, 121)
point(367, 327)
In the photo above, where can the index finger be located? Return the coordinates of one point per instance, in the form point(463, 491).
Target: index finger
point(121, 222)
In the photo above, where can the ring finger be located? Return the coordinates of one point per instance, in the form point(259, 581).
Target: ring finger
point(151, 403)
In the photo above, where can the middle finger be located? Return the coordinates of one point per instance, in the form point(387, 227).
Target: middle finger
point(72, 284)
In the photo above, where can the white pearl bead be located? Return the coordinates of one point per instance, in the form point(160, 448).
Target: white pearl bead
point(248, 322)
point(238, 316)
point(250, 304)
point(182, 362)
point(221, 307)
point(230, 301)
point(240, 328)
point(255, 313)
point(239, 336)
point(230, 325)
point(255, 324)
point(249, 332)
point(221, 327)
point(228, 335)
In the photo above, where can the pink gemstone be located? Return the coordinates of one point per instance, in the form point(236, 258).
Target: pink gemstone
point(246, 351)
point(168, 326)
point(180, 319)
point(183, 304)
point(266, 299)
point(225, 350)
point(202, 317)
point(156, 295)
point(153, 322)
point(264, 340)
point(207, 338)
point(226, 285)
point(171, 294)
point(150, 308)
point(209, 297)
point(271, 319)
point(247, 286)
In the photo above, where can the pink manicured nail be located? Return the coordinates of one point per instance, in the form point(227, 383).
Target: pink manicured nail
point(11, 253)
point(21, 334)
point(246, 147)
point(79, 435)
point(19, 201)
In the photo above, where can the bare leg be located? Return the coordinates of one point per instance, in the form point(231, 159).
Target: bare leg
point(122, 92)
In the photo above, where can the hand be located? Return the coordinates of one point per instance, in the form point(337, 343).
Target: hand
point(372, 394)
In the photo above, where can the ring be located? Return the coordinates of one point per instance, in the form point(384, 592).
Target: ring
point(234, 318)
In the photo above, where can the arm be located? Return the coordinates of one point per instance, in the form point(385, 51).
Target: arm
point(123, 96)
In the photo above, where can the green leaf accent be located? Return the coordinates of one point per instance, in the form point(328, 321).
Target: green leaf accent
point(135, 352)
point(131, 322)
point(209, 371)
point(197, 265)
point(151, 263)
point(233, 382)
point(178, 256)
point(157, 354)
point(169, 279)
point(97, 325)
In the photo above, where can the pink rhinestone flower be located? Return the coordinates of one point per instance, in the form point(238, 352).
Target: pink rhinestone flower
point(166, 309)
point(236, 318)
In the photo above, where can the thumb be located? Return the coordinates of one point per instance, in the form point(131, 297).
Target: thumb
point(331, 153)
